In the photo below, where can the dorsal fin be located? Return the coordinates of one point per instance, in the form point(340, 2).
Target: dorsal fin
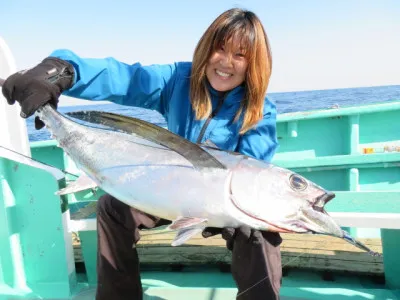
point(197, 156)
point(210, 144)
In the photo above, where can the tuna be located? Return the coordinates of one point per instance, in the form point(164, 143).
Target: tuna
point(194, 186)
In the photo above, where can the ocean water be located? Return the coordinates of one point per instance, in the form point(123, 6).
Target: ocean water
point(285, 102)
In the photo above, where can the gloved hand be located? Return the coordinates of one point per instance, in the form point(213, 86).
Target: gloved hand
point(227, 234)
point(39, 85)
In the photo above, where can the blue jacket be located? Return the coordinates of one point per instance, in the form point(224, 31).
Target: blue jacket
point(165, 88)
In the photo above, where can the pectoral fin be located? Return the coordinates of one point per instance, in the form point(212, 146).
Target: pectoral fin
point(185, 234)
point(184, 222)
point(187, 227)
point(84, 182)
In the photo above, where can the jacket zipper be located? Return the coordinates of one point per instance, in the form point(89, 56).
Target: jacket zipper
point(213, 114)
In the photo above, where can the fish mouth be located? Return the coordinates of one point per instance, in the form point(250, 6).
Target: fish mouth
point(314, 218)
point(322, 200)
point(295, 226)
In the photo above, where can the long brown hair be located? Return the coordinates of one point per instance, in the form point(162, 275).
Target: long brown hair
point(247, 27)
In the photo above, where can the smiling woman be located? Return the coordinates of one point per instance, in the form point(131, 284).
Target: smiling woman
point(227, 69)
point(239, 54)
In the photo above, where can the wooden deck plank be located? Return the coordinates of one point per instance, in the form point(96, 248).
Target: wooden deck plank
point(298, 251)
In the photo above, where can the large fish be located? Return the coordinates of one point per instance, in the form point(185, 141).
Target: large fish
point(194, 186)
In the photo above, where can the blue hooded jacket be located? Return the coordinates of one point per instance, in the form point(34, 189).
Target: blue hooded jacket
point(166, 89)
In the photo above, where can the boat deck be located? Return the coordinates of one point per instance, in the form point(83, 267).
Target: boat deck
point(211, 283)
point(307, 252)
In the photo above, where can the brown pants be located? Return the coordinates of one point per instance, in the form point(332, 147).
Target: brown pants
point(118, 271)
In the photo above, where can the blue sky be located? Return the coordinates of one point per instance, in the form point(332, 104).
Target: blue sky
point(316, 44)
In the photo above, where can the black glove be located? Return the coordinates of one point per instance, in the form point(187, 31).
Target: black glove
point(228, 234)
point(211, 231)
point(35, 87)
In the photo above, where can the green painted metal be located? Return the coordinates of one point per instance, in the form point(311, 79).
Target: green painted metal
point(6, 254)
point(391, 251)
point(354, 122)
point(388, 106)
point(210, 284)
point(325, 140)
point(365, 202)
point(379, 127)
point(48, 152)
point(340, 161)
point(89, 253)
point(34, 254)
point(353, 179)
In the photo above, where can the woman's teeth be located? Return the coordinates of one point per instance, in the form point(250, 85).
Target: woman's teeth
point(223, 74)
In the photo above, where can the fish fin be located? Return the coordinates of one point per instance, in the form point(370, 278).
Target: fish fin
point(184, 222)
point(84, 182)
point(185, 234)
point(196, 155)
point(210, 144)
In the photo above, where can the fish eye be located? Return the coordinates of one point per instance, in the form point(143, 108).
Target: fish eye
point(297, 183)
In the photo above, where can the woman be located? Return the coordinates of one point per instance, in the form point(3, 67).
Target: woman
point(220, 96)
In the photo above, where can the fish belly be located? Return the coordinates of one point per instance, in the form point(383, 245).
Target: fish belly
point(170, 191)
